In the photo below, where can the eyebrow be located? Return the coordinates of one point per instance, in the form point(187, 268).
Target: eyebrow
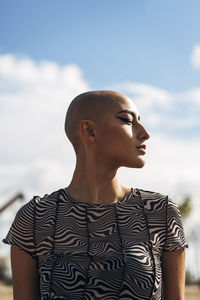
point(128, 112)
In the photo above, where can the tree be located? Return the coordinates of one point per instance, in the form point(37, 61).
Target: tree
point(189, 278)
point(185, 207)
point(3, 269)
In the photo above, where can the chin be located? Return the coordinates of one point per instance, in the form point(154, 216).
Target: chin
point(136, 164)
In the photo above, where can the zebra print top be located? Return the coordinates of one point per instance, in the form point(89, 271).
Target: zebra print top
point(99, 251)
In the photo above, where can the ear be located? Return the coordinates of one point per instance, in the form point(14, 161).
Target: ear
point(87, 130)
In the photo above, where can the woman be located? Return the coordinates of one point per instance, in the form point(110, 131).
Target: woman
point(97, 239)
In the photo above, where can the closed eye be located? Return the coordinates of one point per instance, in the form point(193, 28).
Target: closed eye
point(125, 120)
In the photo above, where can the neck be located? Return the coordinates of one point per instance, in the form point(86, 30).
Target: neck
point(96, 183)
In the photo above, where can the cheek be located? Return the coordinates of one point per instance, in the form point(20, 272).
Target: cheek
point(117, 136)
point(124, 133)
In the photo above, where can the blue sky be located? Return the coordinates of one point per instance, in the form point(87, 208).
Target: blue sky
point(148, 41)
point(50, 51)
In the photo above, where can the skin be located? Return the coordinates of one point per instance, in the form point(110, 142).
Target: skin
point(174, 274)
point(25, 276)
point(103, 143)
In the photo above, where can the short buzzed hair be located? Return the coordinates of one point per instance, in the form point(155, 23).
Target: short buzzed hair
point(87, 106)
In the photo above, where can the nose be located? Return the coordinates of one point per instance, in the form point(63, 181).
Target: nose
point(147, 134)
point(143, 134)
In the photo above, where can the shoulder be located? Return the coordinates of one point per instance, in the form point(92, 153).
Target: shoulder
point(152, 194)
point(37, 200)
point(46, 200)
point(31, 218)
point(153, 201)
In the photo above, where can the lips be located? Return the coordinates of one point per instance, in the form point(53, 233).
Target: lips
point(142, 147)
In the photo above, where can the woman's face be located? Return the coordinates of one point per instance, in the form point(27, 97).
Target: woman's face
point(119, 134)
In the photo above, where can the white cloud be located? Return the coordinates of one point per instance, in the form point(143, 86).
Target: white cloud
point(170, 164)
point(34, 98)
point(26, 71)
point(164, 109)
point(193, 96)
point(195, 57)
point(146, 95)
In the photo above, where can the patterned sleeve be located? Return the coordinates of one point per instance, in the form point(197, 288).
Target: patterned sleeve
point(175, 238)
point(21, 233)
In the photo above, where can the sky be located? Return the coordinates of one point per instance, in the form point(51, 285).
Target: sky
point(50, 51)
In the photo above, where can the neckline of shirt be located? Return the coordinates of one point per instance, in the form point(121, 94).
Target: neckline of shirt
point(131, 194)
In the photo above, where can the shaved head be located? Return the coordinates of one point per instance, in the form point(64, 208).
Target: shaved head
point(88, 106)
